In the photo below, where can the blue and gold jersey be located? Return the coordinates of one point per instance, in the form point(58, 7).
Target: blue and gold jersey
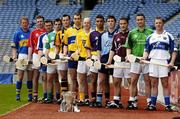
point(69, 38)
point(20, 41)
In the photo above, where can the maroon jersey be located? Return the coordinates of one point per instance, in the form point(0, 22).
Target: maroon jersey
point(119, 41)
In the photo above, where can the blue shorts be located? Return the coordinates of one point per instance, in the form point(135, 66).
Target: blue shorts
point(72, 64)
point(43, 69)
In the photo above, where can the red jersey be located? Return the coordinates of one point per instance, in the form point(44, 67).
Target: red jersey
point(33, 40)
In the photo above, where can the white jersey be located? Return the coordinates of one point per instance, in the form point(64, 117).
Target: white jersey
point(159, 46)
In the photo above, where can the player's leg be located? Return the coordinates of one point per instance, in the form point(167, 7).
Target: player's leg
point(19, 84)
point(135, 73)
point(145, 71)
point(29, 84)
point(43, 71)
point(82, 76)
point(51, 75)
point(57, 87)
point(35, 79)
point(72, 65)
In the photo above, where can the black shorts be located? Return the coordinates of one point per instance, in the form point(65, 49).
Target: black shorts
point(103, 70)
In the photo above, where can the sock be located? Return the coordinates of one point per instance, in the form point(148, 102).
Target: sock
point(99, 97)
point(116, 99)
point(148, 100)
point(57, 95)
point(93, 94)
point(18, 87)
point(29, 87)
point(132, 99)
point(167, 100)
point(81, 96)
point(49, 96)
point(107, 96)
point(153, 100)
point(45, 95)
point(64, 85)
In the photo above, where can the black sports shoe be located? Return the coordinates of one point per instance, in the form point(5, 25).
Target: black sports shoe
point(92, 104)
point(151, 108)
point(112, 105)
point(86, 102)
point(168, 108)
point(132, 105)
point(35, 99)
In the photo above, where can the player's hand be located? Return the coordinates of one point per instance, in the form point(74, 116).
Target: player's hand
point(142, 59)
point(171, 65)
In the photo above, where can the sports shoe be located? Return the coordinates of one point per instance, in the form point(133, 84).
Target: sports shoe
point(98, 104)
point(35, 99)
point(86, 102)
point(151, 108)
point(59, 100)
point(18, 97)
point(92, 104)
point(168, 108)
point(81, 103)
point(132, 105)
point(107, 104)
point(112, 105)
point(75, 107)
point(47, 101)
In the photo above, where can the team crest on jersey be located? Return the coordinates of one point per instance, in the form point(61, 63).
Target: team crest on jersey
point(118, 39)
point(164, 38)
point(37, 35)
point(22, 36)
point(96, 38)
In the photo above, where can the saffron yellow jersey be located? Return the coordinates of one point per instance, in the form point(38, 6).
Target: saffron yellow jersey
point(69, 38)
point(81, 40)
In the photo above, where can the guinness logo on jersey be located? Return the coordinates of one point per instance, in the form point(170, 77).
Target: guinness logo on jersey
point(22, 36)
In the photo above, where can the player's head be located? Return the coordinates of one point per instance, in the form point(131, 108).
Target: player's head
point(111, 21)
point(99, 21)
point(49, 25)
point(123, 23)
point(159, 23)
point(66, 21)
point(77, 19)
point(140, 20)
point(24, 22)
point(87, 23)
point(39, 21)
point(57, 24)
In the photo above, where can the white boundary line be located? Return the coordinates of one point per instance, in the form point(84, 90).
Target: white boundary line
point(15, 109)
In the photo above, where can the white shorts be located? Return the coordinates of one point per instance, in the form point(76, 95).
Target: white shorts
point(121, 73)
point(28, 67)
point(35, 56)
point(92, 68)
point(62, 66)
point(138, 68)
point(82, 67)
point(156, 70)
point(51, 69)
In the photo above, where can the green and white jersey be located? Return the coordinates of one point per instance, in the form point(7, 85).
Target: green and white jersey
point(136, 40)
point(50, 44)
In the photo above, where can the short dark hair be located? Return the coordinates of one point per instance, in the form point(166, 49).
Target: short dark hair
point(99, 16)
point(48, 21)
point(141, 14)
point(78, 14)
point(66, 15)
point(57, 20)
point(158, 17)
point(111, 17)
point(124, 18)
point(39, 17)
